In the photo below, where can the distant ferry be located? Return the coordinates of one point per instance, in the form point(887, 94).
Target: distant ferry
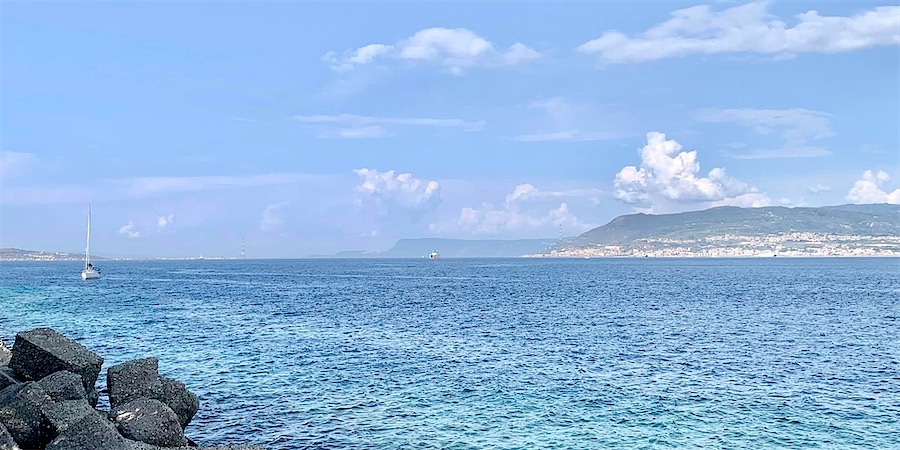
point(434, 255)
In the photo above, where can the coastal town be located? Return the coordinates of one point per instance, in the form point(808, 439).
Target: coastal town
point(798, 244)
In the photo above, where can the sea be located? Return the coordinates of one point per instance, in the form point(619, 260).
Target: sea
point(498, 353)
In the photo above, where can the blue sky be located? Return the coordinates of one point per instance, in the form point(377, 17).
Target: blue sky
point(317, 127)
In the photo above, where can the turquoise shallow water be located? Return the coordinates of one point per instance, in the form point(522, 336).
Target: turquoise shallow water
point(509, 353)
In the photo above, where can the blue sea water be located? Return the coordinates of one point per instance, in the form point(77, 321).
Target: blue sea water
point(499, 354)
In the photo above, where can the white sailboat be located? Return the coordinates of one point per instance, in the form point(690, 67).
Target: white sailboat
point(90, 272)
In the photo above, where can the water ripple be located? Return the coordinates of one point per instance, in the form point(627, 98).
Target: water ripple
point(503, 354)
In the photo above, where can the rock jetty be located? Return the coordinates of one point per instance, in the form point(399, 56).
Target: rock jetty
point(48, 400)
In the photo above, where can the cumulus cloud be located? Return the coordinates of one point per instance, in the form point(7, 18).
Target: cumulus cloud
point(868, 189)
point(353, 126)
point(128, 230)
point(164, 221)
point(456, 49)
point(520, 212)
point(749, 29)
point(797, 127)
point(390, 192)
point(669, 178)
point(16, 163)
point(819, 189)
point(273, 217)
point(567, 121)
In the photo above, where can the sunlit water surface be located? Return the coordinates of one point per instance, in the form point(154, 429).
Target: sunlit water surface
point(498, 354)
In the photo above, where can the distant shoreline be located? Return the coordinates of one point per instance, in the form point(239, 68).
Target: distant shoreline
point(530, 257)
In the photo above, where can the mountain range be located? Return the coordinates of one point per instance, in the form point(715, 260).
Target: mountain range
point(724, 226)
point(873, 220)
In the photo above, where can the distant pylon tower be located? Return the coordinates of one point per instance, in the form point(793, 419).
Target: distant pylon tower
point(243, 255)
point(560, 232)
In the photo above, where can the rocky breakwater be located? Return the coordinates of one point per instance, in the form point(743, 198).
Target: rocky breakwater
point(48, 400)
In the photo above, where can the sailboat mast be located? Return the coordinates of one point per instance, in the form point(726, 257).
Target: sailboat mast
point(87, 248)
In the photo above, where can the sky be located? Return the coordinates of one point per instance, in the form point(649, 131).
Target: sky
point(309, 128)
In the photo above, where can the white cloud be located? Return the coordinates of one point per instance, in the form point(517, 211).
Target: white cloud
point(389, 192)
point(164, 221)
point(797, 127)
point(146, 187)
point(16, 163)
point(868, 189)
point(569, 122)
point(668, 179)
point(129, 231)
point(350, 126)
point(273, 217)
point(367, 132)
point(819, 189)
point(519, 213)
point(456, 49)
point(749, 29)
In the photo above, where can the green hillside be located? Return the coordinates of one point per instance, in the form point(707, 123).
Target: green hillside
point(862, 220)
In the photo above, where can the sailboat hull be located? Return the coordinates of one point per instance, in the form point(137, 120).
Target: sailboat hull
point(89, 274)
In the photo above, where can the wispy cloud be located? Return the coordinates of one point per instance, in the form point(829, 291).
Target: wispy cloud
point(273, 217)
point(154, 186)
point(749, 29)
point(520, 212)
point(563, 120)
point(353, 126)
point(147, 187)
point(797, 127)
point(128, 230)
point(163, 222)
point(455, 49)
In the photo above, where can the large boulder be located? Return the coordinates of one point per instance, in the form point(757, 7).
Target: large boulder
point(8, 378)
point(6, 440)
point(91, 432)
point(133, 379)
point(20, 412)
point(148, 420)
point(141, 378)
point(63, 385)
point(184, 402)
point(57, 417)
point(43, 351)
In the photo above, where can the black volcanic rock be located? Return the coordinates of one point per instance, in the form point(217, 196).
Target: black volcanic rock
point(6, 440)
point(91, 432)
point(48, 398)
point(133, 379)
point(63, 385)
point(8, 377)
point(43, 351)
point(182, 401)
point(58, 416)
point(20, 412)
point(150, 421)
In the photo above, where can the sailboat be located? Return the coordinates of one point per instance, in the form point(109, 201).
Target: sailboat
point(90, 272)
